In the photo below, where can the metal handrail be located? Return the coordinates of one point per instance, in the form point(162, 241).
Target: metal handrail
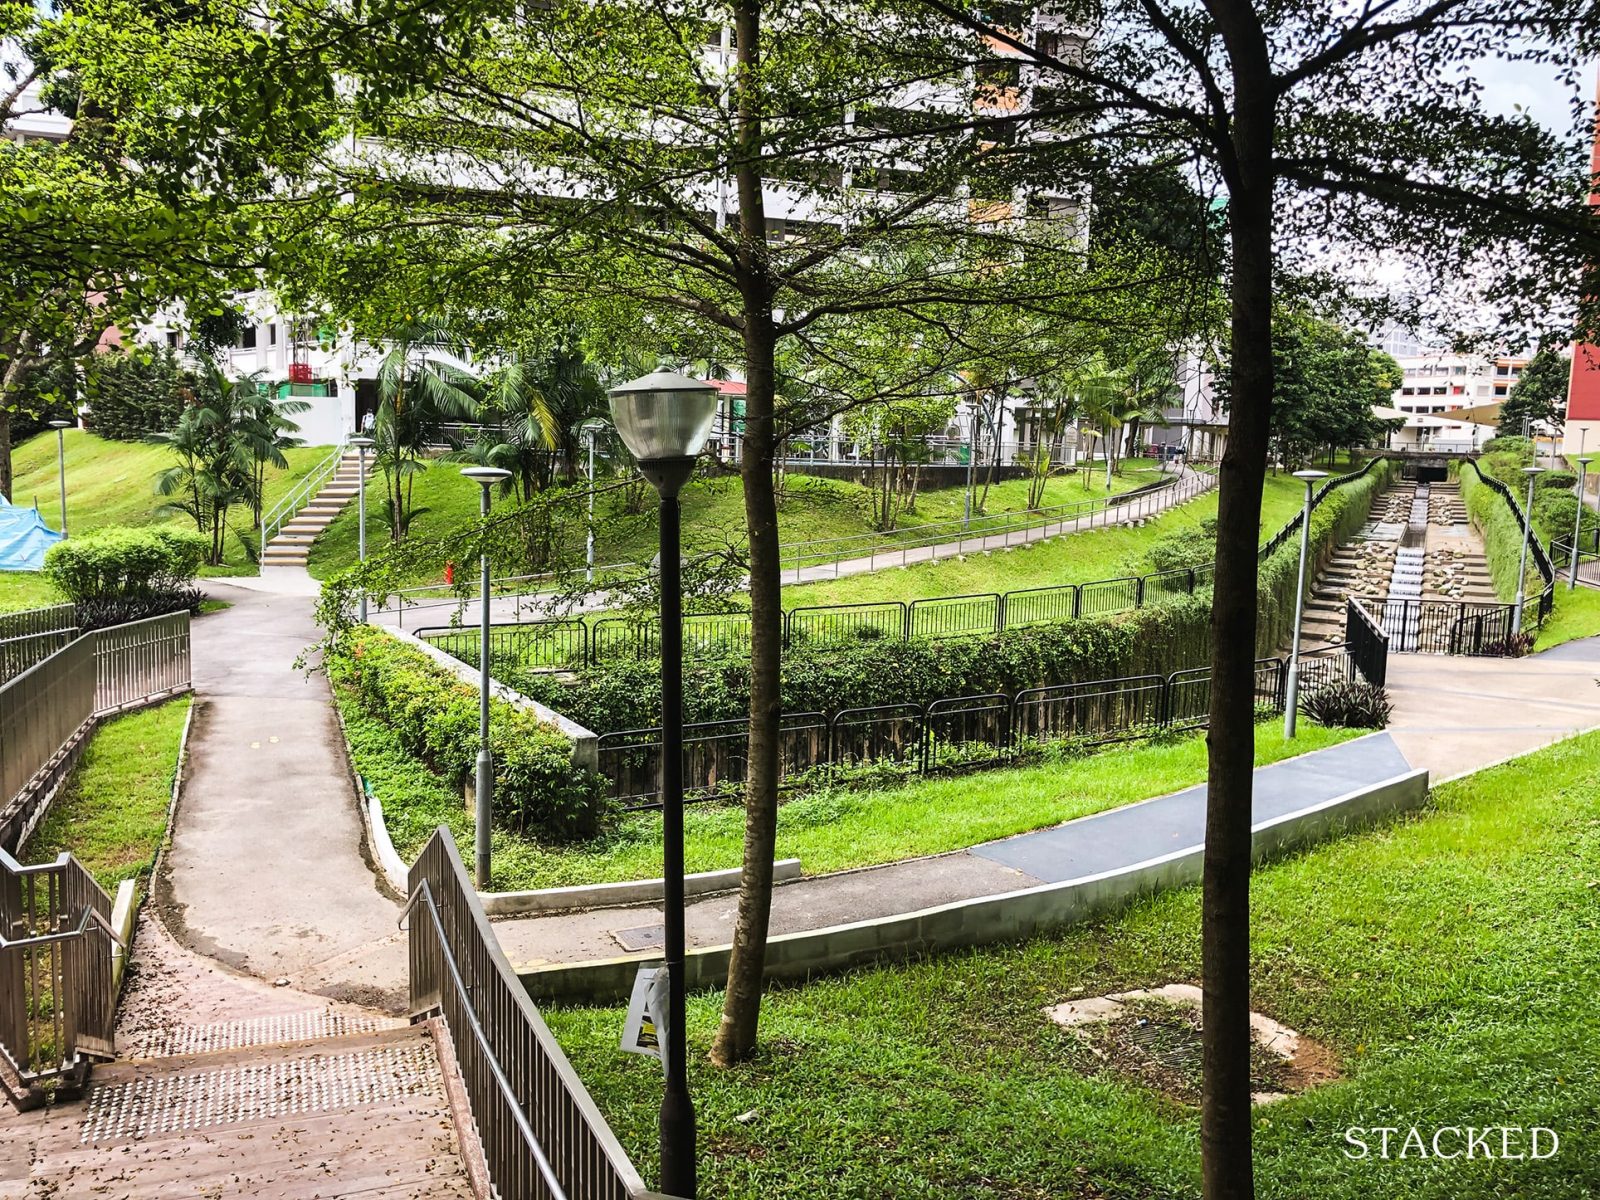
point(285, 510)
point(529, 1138)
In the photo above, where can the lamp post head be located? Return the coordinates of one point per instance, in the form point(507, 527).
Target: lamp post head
point(1530, 472)
point(664, 415)
point(592, 428)
point(362, 443)
point(485, 477)
point(60, 424)
point(1310, 476)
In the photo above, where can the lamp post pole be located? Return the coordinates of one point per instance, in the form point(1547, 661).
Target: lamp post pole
point(1291, 702)
point(1522, 565)
point(1577, 522)
point(665, 419)
point(591, 430)
point(483, 790)
point(362, 445)
point(61, 467)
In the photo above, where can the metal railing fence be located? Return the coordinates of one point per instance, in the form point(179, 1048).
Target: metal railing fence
point(17, 654)
point(1545, 601)
point(28, 621)
point(1442, 626)
point(47, 707)
point(280, 514)
point(57, 1002)
point(543, 1137)
point(966, 732)
point(1368, 643)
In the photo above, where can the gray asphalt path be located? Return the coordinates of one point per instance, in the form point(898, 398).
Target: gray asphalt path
point(267, 872)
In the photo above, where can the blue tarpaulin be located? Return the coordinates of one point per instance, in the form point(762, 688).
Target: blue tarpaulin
point(24, 537)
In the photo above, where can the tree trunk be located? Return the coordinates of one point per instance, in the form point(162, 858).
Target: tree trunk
point(15, 375)
point(1225, 1116)
point(741, 1010)
point(5, 451)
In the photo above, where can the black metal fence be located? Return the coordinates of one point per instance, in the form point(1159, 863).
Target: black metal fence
point(1440, 626)
point(1368, 643)
point(961, 732)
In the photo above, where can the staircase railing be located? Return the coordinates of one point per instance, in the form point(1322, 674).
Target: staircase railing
point(58, 999)
point(285, 510)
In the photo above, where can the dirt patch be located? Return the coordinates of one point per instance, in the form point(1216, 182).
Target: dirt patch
point(1153, 1037)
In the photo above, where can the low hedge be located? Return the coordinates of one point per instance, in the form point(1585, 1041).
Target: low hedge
point(116, 575)
point(538, 790)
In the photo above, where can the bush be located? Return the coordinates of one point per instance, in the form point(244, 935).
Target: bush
point(116, 562)
point(1514, 646)
point(1348, 705)
point(1182, 549)
point(132, 396)
point(119, 610)
point(1565, 480)
point(538, 790)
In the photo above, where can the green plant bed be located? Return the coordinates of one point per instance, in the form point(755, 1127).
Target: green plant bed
point(112, 815)
point(1448, 960)
point(27, 589)
point(829, 830)
point(113, 483)
point(1576, 615)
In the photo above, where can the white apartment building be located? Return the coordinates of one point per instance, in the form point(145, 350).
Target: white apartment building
point(1436, 384)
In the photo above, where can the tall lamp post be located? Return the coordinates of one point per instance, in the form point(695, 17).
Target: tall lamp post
point(61, 428)
point(665, 419)
point(591, 430)
point(483, 792)
point(362, 445)
point(1292, 692)
point(1522, 565)
point(1577, 522)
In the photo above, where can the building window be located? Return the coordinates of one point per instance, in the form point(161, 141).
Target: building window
point(272, 335)
point(1458, 370)
point(172, 338)
point(1502, 369)
point(247, 338)
point(1499, 389)
point(1405, 391)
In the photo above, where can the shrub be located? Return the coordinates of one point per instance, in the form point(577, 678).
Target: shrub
point(1565, 480)
point(132, 396)
point(113, 563)
point(538, 790)
point(1183, 549)
point(1514, 646)
point(1349, 705)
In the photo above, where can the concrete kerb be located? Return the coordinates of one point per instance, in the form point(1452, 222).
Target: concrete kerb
point(585, 742)
point(1009, 917)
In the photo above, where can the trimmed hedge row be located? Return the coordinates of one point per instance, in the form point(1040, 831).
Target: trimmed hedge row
point(435, 717)
point(116, 575)
point(1156, 640)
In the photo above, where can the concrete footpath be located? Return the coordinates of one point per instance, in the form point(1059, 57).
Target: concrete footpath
point(267, 871)
point(1452, 716)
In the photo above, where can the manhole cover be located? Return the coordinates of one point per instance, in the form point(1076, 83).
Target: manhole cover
point(645, 937)
point(1172, 1045)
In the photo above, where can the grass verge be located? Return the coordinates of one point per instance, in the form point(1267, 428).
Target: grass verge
point(1576, 615)
point(829, 830)
point(1448, 958)
point(112, 815)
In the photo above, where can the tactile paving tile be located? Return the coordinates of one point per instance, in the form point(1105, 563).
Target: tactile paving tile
point(165, 1104)
point(307, 1025)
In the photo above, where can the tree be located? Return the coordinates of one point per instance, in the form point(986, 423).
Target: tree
point(422, 384)
point(1539, 398)
point(1338, 134)
point(896, 436)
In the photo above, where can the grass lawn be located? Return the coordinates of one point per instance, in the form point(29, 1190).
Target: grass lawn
point(1101, 553)
point(1448, 959)
point(113, 483)
point(112, 814)
point(1576, 615)
point(713, 513)
point(828, 830)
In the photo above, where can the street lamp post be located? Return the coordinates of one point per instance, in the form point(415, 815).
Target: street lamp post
point(1522, 565)
point(61, 428)
point(1292, 692)
point(664, 419)
point(1577, 522)
point(591, 430)
point(483, 792)
point(362, 445)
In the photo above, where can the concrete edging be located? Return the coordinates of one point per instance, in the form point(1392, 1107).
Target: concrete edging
point(383, 852)
point(1008, 917)
point(615, 895)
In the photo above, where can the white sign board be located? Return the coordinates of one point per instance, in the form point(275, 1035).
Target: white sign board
point(644, 1030)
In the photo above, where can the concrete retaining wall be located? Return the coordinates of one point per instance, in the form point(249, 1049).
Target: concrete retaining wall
point(1011, 917)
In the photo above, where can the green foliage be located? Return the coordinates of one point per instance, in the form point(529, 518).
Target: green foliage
point(1565, 480)
point(133, 396)
point(112, 563)
point(538, 790)
point(1348, 705)
point(1185, 548)
point(1539, 396)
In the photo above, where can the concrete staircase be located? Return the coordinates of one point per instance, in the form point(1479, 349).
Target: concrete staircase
point(291, 546)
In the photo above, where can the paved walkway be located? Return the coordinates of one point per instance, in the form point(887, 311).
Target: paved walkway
point(1102, 842)
point(267, 871)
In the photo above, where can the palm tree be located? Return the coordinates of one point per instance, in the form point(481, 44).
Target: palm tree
point(423, 382)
